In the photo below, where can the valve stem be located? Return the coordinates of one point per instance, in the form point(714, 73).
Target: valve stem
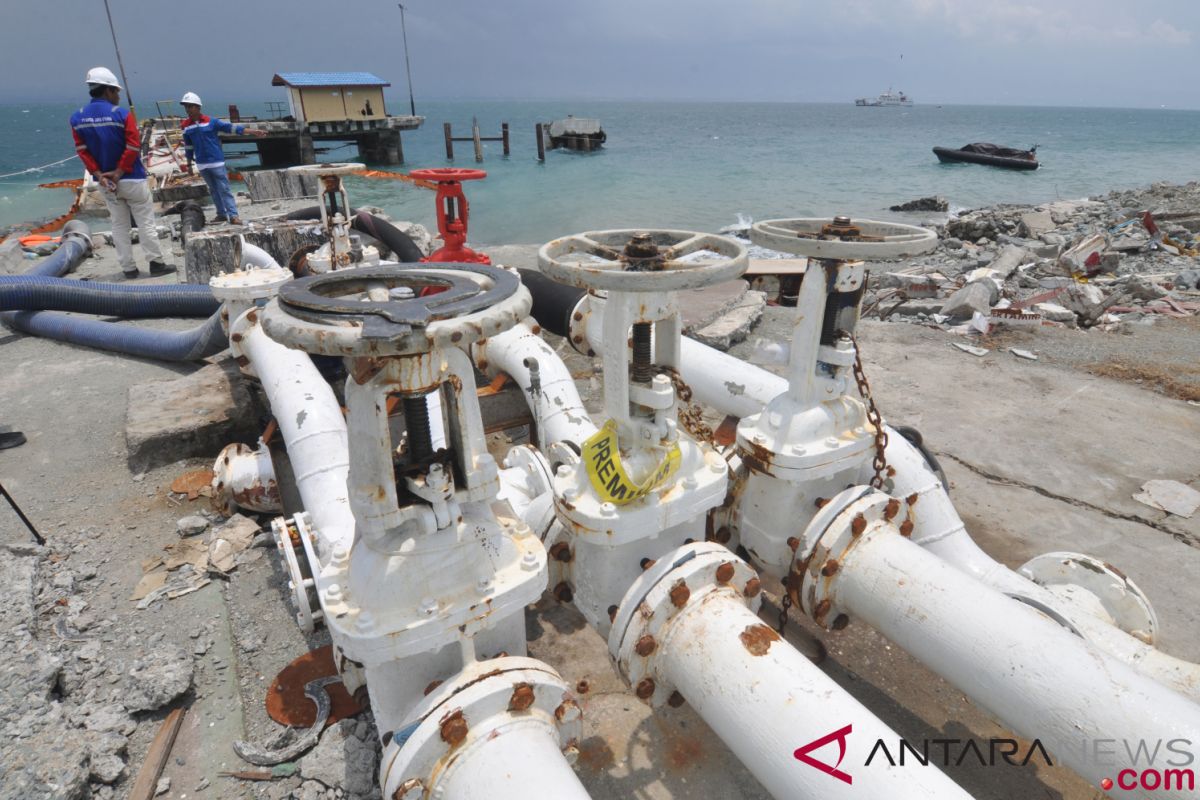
point(416, 422)
point(643, 367)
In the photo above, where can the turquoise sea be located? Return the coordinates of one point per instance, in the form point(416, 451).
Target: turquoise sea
point(701, 165)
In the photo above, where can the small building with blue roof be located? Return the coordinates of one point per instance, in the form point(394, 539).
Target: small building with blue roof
point(333, 96)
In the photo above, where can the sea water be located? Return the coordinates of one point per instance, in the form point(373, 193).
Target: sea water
point(698, 166)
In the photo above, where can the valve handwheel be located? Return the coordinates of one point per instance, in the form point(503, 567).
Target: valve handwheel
point(842, 239)
point(447, 174)
point(642, 260)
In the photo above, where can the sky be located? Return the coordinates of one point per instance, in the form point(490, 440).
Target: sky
point(1053, 52)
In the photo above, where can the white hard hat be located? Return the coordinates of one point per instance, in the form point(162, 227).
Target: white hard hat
point(101, 76)
point(191, 98)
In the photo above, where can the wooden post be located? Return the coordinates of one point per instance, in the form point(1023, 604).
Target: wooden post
point(449, 142)
point(475, 136)
point(399, 148)
point(504, 136)
point(541, 145)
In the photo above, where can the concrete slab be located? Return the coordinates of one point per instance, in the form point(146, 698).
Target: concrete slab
point(195, 415)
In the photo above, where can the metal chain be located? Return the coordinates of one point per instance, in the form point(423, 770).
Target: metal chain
point(690, 415)
point(785, 605)
point(881, 437)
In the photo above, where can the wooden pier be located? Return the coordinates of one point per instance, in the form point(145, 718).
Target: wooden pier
point(289, 142)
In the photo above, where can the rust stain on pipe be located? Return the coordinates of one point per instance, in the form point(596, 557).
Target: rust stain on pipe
point(758, 639)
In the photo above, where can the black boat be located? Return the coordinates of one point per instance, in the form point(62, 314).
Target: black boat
point(991, 154)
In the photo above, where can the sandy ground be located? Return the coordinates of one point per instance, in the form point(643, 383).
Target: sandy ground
point(1042, 456)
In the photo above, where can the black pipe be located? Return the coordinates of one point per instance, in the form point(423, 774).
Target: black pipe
point(44, 293)
point(553, 303)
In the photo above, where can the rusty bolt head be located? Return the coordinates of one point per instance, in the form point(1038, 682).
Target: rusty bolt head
point(583, 687)
point(252, 315)
point(753, 587)
point(647, 563)
point(237, 337)
point(612, 613)
point(675, 700)
point(724, 535)
point(456, 337)
point(568, 711)
point(561, 551)
point(483, 364)
point(645, 645)
point(906, 528)
point(858, 525)
point(725, 572)
point(840, 622)
point(577, 339)
point(830, 567)
point(522, 697)
point(822, 610)
point(891, 509)
point(821, 502)
point(912, 499)
point(645, 688)
point(591, 353)
point(577, 316)
point(563, 593)
point(454, 729)
point(680, 594)
point(793, 543)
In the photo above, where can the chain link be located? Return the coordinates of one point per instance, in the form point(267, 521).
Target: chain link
point(881, 437)
point(690, 416)
point(785, 605)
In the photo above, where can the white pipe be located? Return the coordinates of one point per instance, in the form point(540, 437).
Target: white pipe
point(1017, 663)
point(313, 429)
point(939, 528)
point(254, 256)
point(557, 407)
point(735, 387)
point(515, 760)
point(764, 700)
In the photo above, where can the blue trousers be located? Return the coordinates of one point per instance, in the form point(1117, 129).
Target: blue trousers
point(218, 186)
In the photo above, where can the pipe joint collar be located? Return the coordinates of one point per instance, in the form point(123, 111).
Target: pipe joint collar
point(462, 714)
point(684, 578)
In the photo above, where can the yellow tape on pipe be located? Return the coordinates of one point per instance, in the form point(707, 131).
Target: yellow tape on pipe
point(602, 459)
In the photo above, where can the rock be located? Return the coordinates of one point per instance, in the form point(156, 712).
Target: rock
point(51, 765)
point(923, 204)
point(952, 243)
point(110, 720)
point(1188, 279)
point(16, 587)
point(310, 790)
point(106, 768)
point(12, 257)
point(1009, 258)
point(1054, 312)
point(191, 525)
point(195, 415)
point(734, 324)
point(969, 299)
point(1035, 223)
point(164, 675)
point(164, 785)
point(1142, 289)
point(341, 760)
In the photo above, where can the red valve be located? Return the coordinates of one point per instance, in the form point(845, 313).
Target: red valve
point(453, 212)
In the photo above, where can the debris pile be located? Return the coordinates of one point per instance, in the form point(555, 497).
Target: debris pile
point(1104, 263)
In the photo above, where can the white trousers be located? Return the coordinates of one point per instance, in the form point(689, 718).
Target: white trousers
point(132, 199)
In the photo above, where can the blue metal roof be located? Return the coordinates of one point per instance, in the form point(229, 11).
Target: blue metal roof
point(327, 79)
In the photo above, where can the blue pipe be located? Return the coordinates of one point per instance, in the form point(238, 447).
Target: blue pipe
point(200, 342)
point(43, 293)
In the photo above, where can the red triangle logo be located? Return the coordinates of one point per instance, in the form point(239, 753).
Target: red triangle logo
point(839, 736)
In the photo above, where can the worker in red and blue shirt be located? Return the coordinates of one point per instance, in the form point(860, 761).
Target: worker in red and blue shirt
point(203, 146)
point(109, 145)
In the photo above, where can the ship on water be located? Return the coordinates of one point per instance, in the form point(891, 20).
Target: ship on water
point(888, 98)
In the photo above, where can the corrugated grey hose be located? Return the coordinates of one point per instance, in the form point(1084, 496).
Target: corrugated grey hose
point(190, 345)
point(43, 293)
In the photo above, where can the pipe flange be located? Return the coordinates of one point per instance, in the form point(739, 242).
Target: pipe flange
point(842, 239)
point(248, 285)
point(1126, 605)
point(851, 517)
point(677, 580)
point(642, 261)
point(298, 585)
point(337, 168)
point(332, 314)
point(479, 702)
